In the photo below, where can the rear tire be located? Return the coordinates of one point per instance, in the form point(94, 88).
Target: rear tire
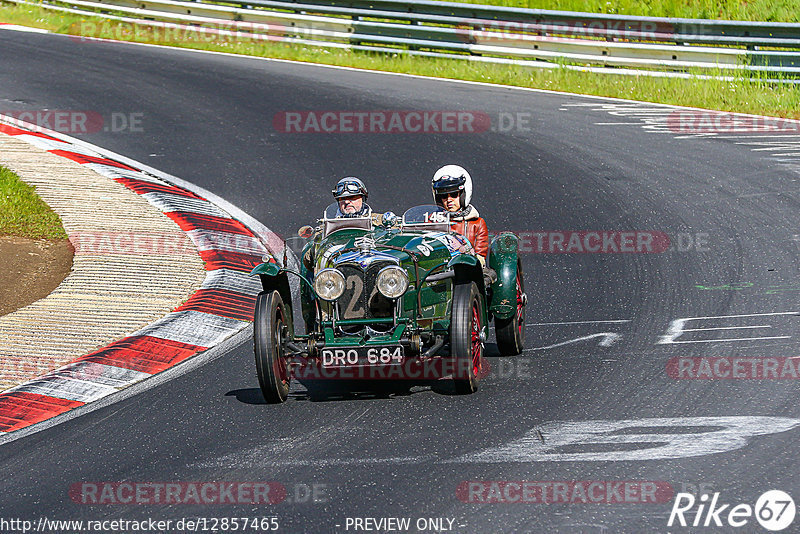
point(510, 332)
point(466, 347)
point(269, 321)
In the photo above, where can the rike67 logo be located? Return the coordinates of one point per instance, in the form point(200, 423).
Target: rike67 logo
point(774, 510)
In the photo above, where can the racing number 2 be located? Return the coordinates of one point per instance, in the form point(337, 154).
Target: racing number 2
point(355, 283)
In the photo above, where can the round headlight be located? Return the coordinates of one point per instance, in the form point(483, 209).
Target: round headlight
point(392, 281)
point(329, 284)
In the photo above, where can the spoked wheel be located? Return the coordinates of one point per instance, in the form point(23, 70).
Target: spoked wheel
point(466, 345)
point(511, 332)
point(268, 331)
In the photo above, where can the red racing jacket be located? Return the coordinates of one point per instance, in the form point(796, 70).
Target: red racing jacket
point(473, 227)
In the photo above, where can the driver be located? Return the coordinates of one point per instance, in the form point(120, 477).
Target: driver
point(452, 190)
point(351, 194)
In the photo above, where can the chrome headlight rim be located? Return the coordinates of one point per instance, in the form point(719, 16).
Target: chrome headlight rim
point(325, 292)
point(391, 270)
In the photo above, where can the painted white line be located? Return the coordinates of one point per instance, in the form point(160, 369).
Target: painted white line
point(642, 113)
point(729, 339)
point(655, 121)
point(765, 135)
point(724, 328)
point(772, 146)
point(647, 439)
point(582, 322)
point(277, 456)
point(744, 315)
point(25, 29)
point(676, 328)
point(609, 338)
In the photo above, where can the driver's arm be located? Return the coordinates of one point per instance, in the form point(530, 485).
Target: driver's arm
point(308, 256)
point(481, 241)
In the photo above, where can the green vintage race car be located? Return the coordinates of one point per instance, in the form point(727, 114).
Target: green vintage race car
point(384, 297)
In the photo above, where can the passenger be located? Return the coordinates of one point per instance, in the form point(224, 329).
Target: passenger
point(452, 190)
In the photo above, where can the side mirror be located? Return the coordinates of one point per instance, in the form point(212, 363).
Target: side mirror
point(305, 232)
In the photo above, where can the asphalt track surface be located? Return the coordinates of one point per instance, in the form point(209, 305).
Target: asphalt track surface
point(208, 119)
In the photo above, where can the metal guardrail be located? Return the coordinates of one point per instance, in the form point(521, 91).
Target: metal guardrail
point(529, 37)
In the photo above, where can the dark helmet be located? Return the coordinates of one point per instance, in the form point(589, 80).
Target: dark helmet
point(450, 179)
point(350, 186)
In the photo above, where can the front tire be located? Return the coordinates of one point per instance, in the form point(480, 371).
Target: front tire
point(466, 345)
point(269, 322)
point(511, 332)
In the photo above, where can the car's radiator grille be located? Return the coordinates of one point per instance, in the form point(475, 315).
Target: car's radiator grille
point(361, 299)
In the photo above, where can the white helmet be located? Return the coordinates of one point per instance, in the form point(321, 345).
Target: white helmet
point(452, 178)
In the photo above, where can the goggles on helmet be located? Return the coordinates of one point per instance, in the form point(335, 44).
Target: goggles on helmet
point(347, 189)
point(449, 183)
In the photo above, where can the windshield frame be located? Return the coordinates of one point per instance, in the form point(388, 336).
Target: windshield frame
point(426, 218)
point(332, 223)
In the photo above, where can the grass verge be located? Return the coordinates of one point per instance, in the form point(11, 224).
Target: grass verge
point(743, 94)
point(752, 10)
point(23, 213)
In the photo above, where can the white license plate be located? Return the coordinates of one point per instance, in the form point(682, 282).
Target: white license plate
point(358, 356)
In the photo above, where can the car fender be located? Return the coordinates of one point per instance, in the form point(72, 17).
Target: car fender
point(273, 278)
point(504, 258)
